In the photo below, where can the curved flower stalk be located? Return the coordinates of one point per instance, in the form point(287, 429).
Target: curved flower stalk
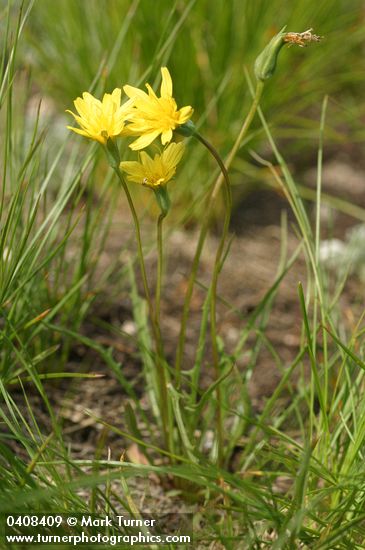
point(152, 116)
point(100, 120)
point(264, 68)
point(103, 121)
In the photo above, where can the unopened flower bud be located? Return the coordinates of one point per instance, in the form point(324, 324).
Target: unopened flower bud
point(265, 63)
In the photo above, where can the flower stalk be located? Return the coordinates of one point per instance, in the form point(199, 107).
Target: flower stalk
point(189, 130)
point(163, 201)
point(214, 284)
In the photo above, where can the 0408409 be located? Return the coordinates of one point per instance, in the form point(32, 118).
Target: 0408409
point(33, 521)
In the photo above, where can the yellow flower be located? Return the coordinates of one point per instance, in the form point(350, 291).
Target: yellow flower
point(157, 171)
point(152, 115)
point(100, 120)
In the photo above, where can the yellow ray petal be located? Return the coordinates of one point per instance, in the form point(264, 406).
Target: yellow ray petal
point(116, 96)
point(90, 99)
point(135, 171)
point(86, 134)
point(132, 92)
point(144, 141)
point(166, 84)
point(148, 163)
point(151, 94)
point(166, 137)
point(173, 153)
point(185, 113)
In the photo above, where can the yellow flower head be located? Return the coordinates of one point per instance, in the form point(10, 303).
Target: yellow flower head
point(100, 120)
point(154, 172)
point(152, 115)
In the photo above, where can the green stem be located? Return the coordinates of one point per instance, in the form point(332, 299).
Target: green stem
point(237, 144)
point(163, 397)
point(187, 301)
point(214, 284)
point(137, 228)
point(163, 375)
point(204, 231)
point(159, 268)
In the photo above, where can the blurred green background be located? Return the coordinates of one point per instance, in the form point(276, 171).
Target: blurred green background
point(75, 45)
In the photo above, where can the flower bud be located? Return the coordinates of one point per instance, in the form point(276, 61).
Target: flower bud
point(265, 63)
